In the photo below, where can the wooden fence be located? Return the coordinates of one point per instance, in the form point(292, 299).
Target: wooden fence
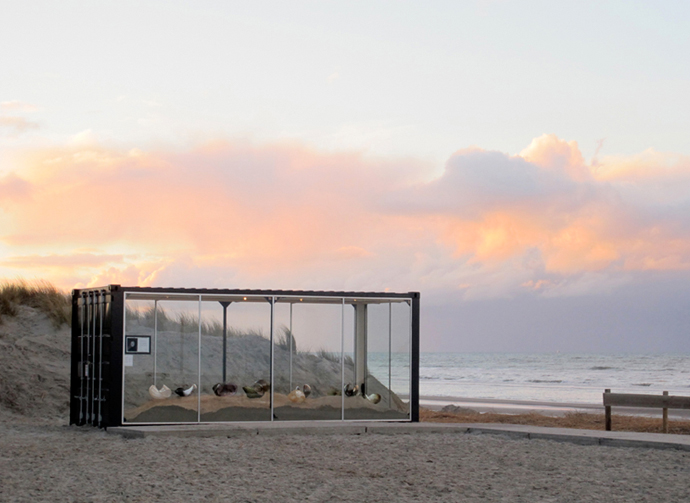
point(663, 402)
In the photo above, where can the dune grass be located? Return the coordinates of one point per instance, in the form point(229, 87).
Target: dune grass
point(286, 339)
point(334, 357)
point(577, 420)
point(185, 322)
point(41, 295)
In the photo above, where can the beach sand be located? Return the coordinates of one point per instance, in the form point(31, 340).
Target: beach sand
point(44, 460)
point(40, 461)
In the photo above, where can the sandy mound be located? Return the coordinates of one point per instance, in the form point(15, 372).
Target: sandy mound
point(34, 366)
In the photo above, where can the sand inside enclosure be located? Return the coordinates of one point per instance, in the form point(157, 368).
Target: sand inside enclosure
point(241, 408)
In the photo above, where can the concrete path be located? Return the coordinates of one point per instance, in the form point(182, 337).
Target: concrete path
point(582, 437)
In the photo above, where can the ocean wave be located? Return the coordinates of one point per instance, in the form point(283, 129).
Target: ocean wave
point(549, 377)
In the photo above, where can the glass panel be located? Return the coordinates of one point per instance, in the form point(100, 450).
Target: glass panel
point(349, 345)
point(285, 350)
point(316, 360)
point(378, 347)
point(161, 361)
point(236, 388)
point(139, 375)
point(371, 370)
point(401, 327)
point(322, 347)
point(214, 319)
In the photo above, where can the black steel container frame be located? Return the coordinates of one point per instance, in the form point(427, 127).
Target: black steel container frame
point(96, 388)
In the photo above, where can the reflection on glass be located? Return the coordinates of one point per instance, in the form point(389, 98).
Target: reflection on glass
point(284, 351)
point(308, 377)
point(400, 373)
point(372, 353)
point(139, 368)
point(350, 355)
point(236, 359)
point(161, 386)
point(369, 337)
point(209, 358)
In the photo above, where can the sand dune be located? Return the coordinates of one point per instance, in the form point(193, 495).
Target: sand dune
point(34, 365)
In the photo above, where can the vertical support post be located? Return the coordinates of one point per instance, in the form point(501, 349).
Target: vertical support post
point(291, 341)
point(85, 349)
point(155, 343)
point(198, 376)
point(91, 343)
point(115, 411)
point(607, 413)
point(75, 360)
point(109, 371)
point(94, 359)
point(82, 362)
point(361, 346)
point(273, 304)
point(342, 360)
point(390, 354)
point(225, 305)
point(665, 416)
point(101, 313)
point(182, 324)
point(414, 361)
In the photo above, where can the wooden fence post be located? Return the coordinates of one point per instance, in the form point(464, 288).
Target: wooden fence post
point(608, 413)
point(665, 416)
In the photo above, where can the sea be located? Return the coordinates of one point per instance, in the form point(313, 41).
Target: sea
point(554, 377)
point(569, 378)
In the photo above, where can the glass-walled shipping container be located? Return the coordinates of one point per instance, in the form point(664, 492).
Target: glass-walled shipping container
point(204, 356)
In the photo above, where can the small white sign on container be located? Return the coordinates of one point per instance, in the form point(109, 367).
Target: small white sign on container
point(138, 345)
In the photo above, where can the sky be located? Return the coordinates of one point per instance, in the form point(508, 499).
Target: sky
point(525, 165)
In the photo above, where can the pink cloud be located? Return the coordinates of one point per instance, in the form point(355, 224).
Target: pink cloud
point(550, 152)
point(286, 216)
point(18, 106)
point(13, 189)
point(16, 125)
point(80, 260)
point(492, 208)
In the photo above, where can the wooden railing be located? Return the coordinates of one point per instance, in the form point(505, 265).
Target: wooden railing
point(663, 402)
